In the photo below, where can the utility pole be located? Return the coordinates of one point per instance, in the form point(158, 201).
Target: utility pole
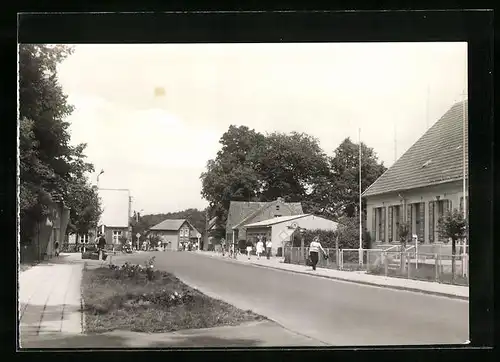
point(395, 144)
point(360, 211)
point(205, 237)
point(427, 108)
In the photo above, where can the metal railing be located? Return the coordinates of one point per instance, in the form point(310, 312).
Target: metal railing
point(422, 266)
point(394, 261)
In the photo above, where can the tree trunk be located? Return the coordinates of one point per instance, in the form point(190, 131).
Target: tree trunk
point(453, 245)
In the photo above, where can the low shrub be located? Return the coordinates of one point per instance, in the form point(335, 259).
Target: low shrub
point(123, 297)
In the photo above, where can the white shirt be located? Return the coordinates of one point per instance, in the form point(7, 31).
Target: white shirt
point(269, 244)
point(260, 246)
point(315, 246)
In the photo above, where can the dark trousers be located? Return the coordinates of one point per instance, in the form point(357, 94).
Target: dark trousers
point(314, 259)
point(268, 252)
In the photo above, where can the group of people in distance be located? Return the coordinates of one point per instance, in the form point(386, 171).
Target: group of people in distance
point(262, 246)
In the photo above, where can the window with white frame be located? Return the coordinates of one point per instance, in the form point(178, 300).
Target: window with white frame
point(84, 238)
point(116, 236)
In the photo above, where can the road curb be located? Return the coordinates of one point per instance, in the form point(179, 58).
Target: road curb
point(395, 287)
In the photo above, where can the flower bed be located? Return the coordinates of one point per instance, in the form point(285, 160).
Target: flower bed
point(139, 298)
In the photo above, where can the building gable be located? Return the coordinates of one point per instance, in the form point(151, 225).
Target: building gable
point(437, 157)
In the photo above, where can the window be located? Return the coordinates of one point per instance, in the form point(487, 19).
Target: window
point(276, 215)
point(391, 223)
point(116, 236)
point(277, 207)
point(379, 223)
point(84, 238)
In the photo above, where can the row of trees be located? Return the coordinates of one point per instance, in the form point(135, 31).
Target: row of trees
point(251, 166)
point(50, 167)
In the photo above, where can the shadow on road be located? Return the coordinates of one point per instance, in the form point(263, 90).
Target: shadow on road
point(73, 341)
point(116, 341)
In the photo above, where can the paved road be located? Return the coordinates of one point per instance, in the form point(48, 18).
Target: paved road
point(334, 312)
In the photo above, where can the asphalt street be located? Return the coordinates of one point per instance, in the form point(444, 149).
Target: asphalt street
point(334, 312)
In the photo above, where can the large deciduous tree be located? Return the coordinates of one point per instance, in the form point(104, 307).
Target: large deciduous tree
point(85, 207)
point(232, 174)
point(344, 182)
point(289, 165)
point(49, 165)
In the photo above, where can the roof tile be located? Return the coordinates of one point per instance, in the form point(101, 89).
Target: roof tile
point(435, 158)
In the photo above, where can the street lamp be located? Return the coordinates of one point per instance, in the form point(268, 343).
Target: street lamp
point(100, 173)
point(97, 227)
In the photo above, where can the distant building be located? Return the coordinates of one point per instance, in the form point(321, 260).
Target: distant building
point(242, 213)
point(422, 185)
point(174, 233)
point(280, 229)
point(114, 222)
point(47, 232)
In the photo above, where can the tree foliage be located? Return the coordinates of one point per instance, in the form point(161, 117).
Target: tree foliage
point(255, 167)
point(85, 207)
point(404, 233)
point(49, 164)
point(344, 182)
point(452, 225)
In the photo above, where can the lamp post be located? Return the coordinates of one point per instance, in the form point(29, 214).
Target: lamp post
point(97, 227)
point(360, 213)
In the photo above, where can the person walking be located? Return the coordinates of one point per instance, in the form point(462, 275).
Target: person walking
point(56, 247)
point(314, 249)
point(269, 245)
point(249, 248)
point(260, 248)
point(101, 244)
point(223, 247)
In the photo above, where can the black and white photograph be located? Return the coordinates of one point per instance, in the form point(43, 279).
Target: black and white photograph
point(243, 194)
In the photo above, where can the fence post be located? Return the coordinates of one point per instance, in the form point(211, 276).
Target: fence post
point(436, 266)
point(386, 263)
point(408, 263)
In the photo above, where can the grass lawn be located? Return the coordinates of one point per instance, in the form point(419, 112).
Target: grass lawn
point(117, 302)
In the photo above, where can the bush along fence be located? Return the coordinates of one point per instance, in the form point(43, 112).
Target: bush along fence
point(392, 262)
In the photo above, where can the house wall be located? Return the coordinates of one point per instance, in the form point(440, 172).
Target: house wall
point(275, 210)
point(253, 233)
point(48, 231)
point(108, 234)
point(281, 233)
point(169, 237)
point(451, 191)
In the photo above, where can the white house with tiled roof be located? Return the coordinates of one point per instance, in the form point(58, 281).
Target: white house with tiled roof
point(174, 233)
point(425, 182)
point(280, 229)
point(242, 213)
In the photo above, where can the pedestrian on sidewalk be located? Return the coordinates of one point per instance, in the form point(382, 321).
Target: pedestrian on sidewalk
point(101, 244)
point(249, 248)
point(56, 247)
point(260, 248)
point(314, 249)
point(269, 245)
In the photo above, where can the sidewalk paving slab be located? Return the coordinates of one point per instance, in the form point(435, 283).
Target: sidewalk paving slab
point(360, 277)
point(50, 299)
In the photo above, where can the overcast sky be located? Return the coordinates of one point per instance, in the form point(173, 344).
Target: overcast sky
point(158, 145)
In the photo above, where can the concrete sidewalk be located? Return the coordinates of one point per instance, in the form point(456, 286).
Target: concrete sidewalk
point(50, 299)
point(261, 334)
point(361, 277)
